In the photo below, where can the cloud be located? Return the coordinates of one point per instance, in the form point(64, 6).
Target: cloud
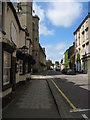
point(60, 0)
point(60, 46)
point(43, 29)
point(39, 11)
point(64, 14)
point(55, 51)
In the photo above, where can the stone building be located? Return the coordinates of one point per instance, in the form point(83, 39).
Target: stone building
point(82, 45)
point(24, 12)
point(19, 46)
point(38, 51)
point(16, 54)
point(42, 59)
point(35, 38)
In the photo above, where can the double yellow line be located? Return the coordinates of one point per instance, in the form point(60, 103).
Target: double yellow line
point(73, 107)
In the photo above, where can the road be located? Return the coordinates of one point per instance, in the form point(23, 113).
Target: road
point(75, 92)
point(51, 95)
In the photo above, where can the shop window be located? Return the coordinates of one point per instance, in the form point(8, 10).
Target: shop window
point(20, 66)
point(6, 67)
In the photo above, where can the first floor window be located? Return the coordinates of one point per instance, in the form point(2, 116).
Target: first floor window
point(6, 67)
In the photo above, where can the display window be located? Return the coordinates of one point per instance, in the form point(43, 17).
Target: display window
point(6, 67)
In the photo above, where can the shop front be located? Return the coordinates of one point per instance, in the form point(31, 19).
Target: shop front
point(23, 65)
point(7, 50)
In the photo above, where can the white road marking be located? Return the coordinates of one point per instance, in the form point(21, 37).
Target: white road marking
point(85, 117)
point(79, 110)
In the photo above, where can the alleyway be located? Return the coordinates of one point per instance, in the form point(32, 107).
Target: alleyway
point(34, 100)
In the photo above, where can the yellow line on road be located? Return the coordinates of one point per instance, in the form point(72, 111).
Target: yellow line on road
point(73, 107)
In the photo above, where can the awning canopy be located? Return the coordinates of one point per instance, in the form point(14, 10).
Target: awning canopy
point(26, 57)
point(8, 45)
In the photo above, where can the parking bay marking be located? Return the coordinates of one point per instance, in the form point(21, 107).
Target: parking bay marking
point(73, 107)
point(85, 117)
point(79, 110)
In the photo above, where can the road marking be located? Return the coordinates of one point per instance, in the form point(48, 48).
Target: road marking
point(73, 107)
point(85, 117)
point(79, 110)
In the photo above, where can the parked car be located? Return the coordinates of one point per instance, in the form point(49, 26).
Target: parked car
point(70, 72)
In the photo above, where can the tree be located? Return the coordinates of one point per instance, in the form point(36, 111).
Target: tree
point(61, 61)
point(56, 63)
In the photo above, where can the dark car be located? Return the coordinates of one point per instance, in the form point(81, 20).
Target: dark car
point(70, 72)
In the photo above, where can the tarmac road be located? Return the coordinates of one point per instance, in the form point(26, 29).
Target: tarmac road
point(75, 98)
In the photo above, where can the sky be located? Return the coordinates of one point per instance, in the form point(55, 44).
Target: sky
point(58, 21)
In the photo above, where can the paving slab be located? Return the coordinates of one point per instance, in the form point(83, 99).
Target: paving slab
point(33, 100)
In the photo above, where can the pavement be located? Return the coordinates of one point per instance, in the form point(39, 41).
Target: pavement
point(34, 100)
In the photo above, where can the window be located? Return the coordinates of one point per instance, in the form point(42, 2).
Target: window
point(84, 50)
point(36, 39)
point(20, 66)
point(6, 67)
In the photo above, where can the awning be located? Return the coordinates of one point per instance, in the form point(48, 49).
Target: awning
point(26, 57)
point(8, 45)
